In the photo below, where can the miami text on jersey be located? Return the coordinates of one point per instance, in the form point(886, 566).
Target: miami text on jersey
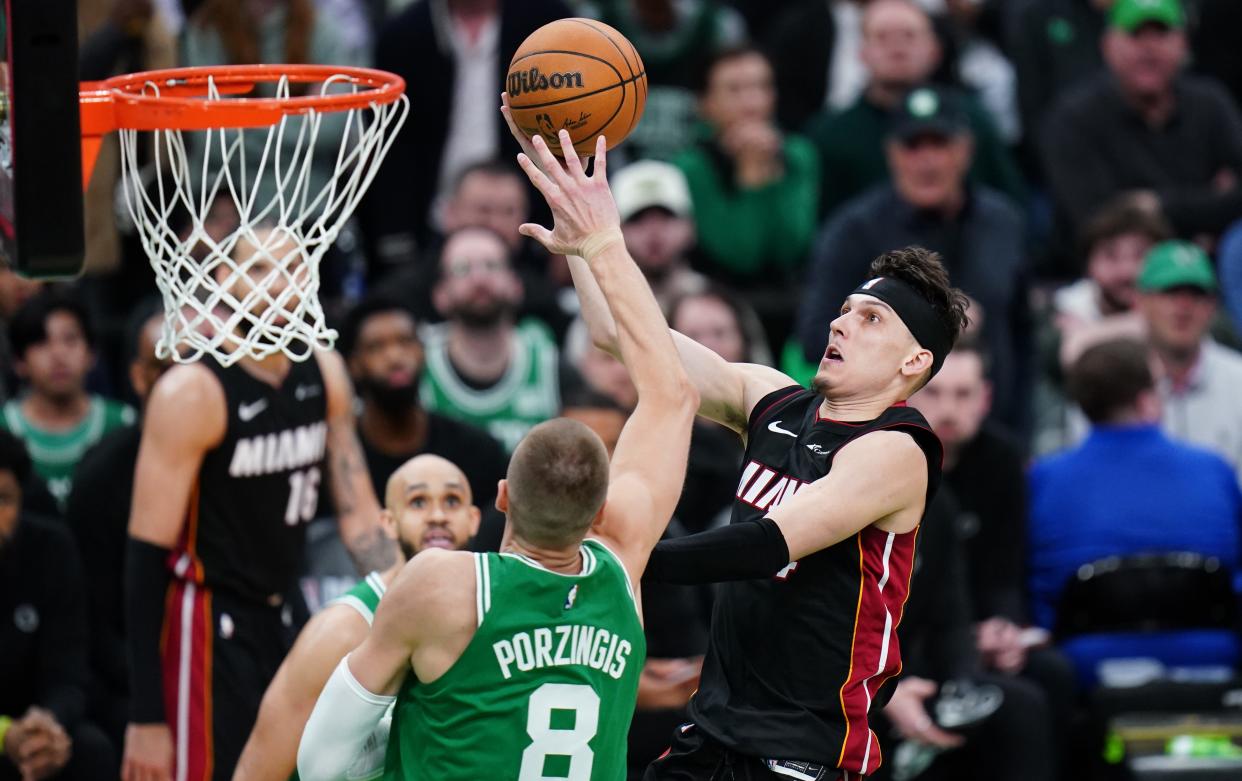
point(268, 454)
point(764, 488)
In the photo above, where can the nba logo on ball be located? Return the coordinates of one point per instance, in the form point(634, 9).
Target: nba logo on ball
point(578, 75)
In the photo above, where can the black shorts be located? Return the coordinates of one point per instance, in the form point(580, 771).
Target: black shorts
point(220, 653)
point(694, 756)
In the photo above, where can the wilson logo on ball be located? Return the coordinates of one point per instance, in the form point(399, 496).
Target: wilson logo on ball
point(533, 81)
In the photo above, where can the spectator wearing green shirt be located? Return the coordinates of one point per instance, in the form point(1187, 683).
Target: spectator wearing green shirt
point(483, 366)
point(53, 350)
point(901, 52)
point(754, 189)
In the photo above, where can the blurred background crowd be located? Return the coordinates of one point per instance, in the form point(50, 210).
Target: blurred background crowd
point(1078, 163)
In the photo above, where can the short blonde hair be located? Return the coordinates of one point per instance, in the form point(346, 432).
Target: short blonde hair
point(557, 482)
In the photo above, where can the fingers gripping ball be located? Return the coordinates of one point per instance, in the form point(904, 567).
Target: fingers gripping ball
point(578, 75)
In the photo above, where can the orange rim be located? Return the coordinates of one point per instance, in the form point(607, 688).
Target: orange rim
point(130, 102)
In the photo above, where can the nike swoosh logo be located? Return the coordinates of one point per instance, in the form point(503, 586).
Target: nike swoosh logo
point(775, 427)
point(248, 412)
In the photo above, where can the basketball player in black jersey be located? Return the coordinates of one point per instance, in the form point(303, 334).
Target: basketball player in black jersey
point(229, 471)
point(820, 549)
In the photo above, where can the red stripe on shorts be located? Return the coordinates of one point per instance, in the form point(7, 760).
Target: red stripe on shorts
point(188, 634)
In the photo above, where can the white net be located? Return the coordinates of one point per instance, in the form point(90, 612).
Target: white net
point(247, 283)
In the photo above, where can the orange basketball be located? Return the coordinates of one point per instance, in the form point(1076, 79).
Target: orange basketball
point(578, 75)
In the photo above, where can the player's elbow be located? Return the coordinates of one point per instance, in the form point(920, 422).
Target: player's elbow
point(675, 394)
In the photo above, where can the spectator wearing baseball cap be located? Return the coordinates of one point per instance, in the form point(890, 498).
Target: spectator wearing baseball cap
point(900, 52)
point(1170, 141)
point(657, 221)
point(930, 202)
point(1200, 377)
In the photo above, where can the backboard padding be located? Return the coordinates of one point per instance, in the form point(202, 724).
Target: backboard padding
point(41, 223)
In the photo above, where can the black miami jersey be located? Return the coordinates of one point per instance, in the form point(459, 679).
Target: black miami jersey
point(258, 488)
point(797, 662)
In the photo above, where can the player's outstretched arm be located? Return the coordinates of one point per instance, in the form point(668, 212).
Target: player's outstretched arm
point(649, 464)
point(358, 511)
point(271, 753)
point(878, 479)
point(427, 617)
point(172, 449)
point(727, 391)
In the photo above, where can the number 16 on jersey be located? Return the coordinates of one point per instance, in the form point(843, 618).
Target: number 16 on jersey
point(303, 496)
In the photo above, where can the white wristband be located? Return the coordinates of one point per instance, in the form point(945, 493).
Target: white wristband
point(596, 243)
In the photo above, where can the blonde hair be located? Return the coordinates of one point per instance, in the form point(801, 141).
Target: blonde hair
point(557, 482)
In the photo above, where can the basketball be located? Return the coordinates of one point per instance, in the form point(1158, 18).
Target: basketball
point(578, 75)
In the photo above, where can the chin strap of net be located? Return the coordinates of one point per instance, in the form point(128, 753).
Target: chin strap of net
point(235, 229)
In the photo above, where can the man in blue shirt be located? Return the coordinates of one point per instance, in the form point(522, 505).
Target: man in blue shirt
point(1128, 489)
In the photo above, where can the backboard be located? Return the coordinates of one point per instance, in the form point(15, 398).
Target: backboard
point(41, 225)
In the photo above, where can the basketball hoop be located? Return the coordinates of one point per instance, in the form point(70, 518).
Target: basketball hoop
point(255, 289)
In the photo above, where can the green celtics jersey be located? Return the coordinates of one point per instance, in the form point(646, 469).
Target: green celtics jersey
point(56, 453)
point(364, 597)
point(544, 690)
point(526, 395)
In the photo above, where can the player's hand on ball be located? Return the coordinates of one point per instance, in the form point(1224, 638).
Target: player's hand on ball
point(585, 218)
point(148, 753)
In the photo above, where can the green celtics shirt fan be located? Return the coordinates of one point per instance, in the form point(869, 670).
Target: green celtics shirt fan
point(526, 394)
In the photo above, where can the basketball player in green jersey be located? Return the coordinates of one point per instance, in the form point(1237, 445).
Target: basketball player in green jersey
point(427, 504)
point(525, 664)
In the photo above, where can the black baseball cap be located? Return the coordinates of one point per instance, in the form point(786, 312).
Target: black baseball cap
point(929, 110)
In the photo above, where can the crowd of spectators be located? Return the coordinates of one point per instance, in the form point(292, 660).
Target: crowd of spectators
point(1077, 163)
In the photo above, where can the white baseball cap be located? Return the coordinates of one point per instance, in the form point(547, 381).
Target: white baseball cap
point(649, 183)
